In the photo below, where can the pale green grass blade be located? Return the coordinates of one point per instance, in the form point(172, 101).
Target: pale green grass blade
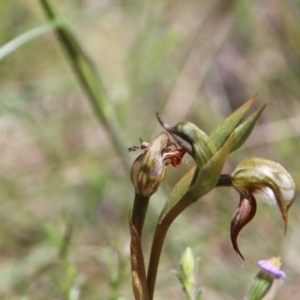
point(25, 38)
point(90, 81)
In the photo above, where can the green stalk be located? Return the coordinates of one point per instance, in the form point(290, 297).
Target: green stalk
point(89, 80)
point(224, 180)
point(158, 240)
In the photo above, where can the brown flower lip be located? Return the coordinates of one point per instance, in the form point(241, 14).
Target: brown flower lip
point(242, 216)
point(173, 156)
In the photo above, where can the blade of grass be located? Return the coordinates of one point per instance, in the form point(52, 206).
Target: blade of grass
point(24, 38)
point(89, 80)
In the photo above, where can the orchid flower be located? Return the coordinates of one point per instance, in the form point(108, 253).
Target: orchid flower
point(260, 178)
point(149, 169)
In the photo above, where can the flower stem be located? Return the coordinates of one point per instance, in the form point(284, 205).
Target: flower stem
point(159, 237)
point(224, 180)
point(139, 211)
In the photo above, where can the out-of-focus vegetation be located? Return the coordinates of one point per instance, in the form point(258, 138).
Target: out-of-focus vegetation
point(65, 192)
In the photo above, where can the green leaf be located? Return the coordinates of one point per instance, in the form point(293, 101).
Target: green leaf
point(178, 191)
point(242, 132)
point(208, 176)
point(221, 133)
point(24, 38)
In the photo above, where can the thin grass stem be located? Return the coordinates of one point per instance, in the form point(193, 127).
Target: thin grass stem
point(90, 81)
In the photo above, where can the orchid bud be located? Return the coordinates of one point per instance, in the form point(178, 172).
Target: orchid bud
point(188, 263)
point(268, 180)
point(187, 275)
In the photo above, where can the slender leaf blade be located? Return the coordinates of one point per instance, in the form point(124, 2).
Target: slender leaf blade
point(208, 176)
point(221, 133)
point(242, 132)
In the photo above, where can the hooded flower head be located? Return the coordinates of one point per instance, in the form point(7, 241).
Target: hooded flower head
point(148, 170)
point(260, 178)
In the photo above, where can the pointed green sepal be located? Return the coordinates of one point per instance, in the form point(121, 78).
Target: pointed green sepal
point(242, 132)
point(221, 133)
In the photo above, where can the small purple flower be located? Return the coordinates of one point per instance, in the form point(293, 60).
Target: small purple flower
point(272, 266)
point(266, 283)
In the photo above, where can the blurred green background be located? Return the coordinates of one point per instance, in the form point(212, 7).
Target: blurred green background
point(65, 191)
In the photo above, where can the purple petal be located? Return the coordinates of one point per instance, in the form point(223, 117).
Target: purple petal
point(272, 266)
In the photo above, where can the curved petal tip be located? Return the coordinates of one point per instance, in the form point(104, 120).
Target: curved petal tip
point(242, 216)
point(167, 127)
